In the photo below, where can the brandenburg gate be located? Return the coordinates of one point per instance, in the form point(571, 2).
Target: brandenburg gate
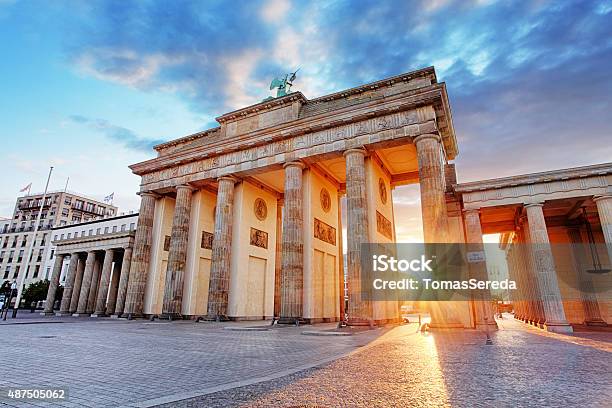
point(243, 221)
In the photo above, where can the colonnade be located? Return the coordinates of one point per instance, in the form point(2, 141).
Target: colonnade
point(96, 282)
point(538, 300)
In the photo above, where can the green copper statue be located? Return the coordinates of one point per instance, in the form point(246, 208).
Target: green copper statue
point(283, 86)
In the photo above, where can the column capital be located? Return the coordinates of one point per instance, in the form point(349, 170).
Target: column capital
point(186, 186)
point(231, 178)
point(359, 150)
point(426, 136)
point(295, 163)
point(538, 204)
point(602, 198)
point(148, 194)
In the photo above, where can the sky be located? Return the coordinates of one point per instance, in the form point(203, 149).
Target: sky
point(90, 86)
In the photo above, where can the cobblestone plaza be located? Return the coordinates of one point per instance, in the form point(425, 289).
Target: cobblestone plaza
point(109, 363)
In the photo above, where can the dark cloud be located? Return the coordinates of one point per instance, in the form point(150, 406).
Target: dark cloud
point(529, 84)
point(117, 133)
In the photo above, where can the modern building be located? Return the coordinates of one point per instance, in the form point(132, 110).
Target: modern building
point(60, 208)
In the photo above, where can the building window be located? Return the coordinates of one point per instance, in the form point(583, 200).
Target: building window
point(20, 256)
point(89, 207)
point(90, 232)
point(11, 254)
point(114, 228)
point(7, 271)
point(24, 241)
point(65, 212)
point(106, 230)
point(69, 235)
point(83, 233)
point(167, 243)
point(68, 200)
point(52, 253)
point(62, 223)
point(132, 226)
point(55, 237)
point(78, 205)
point(36, 270)
point(61, 236)
point(98, 231)
point(122, 227)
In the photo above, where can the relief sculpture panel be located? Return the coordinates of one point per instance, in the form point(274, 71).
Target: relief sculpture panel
point(324, 232)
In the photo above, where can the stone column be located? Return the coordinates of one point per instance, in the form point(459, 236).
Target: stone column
point(545, 271)
point(70, 278)
point(76, 291)
point(53, 284)
point(292, 279)
point(278, 257)
point(107, 269)
point(113, 290)
point(478, 269)
point(175, 272)
point(434, 213)
point(431, 180)
point(360, 305)
point(93, 288)
point(592, 314)
point(340, 261)
point(123, 281)
point(604, 209)
point(86, 283)
point(218, 292)
point(526, 258)
point(134, 303)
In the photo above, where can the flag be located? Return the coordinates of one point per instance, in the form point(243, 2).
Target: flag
point(109, 198)
point(26, 188)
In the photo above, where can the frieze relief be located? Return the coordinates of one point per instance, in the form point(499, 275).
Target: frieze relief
point(323, 137)
point(324, 232)
point(383, 225)
point(207, 240)
point(259, 238)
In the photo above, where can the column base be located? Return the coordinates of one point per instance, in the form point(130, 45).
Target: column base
point(80, 314)
point(596, 323)
point(291, 320)
point(59, 314)
point(558, 328)
point(47, 313)
point(115, 316)
point(97, 315)
point(170, 316)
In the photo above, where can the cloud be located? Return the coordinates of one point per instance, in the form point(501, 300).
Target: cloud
point(117, 133)
point(529, 86)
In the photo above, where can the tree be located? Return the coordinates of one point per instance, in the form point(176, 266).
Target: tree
point(5, 288)
point(36, 291)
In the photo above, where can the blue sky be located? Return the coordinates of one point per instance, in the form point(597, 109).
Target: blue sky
point(90, 86)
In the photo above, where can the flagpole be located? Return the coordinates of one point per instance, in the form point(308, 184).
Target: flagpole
point(26, 263)
point(66, 187)
point(30, 188)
